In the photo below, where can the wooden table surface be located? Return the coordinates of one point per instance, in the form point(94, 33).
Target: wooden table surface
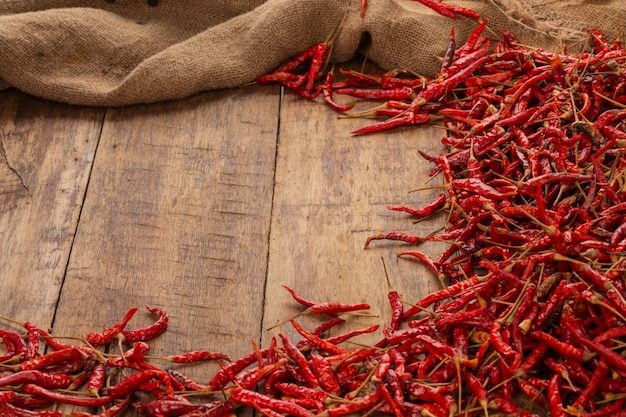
point(204, 207)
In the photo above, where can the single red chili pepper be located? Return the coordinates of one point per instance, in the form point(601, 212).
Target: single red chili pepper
point(611, 333)
point(440, 295)
point(424, 258)
point(150, 332)
point(399, 236)
point(613, 410)
point(438, 203)
point(474, 185)
point(37, 390)
point(325, 375)
point(363, 403)
point(533, 393)
point(6, 396)
point(33, 339)
point(55, 357)
point(300, 391)
point(449, 9)
point(429, 394)
point(293, 64)
point(496, 340)
point(533, 358)
point(478, 390)
point(564, 349)
point(554, 397)
point(227, 373)
point(396, 405)
point(401, 93)
point(108, 335)
point(197, 356)
point(317, 341)
point(278, 77)
point(409, 118)
point(300, 360)
point(319, 330)
point(334, 308)
point(133, 382)
point(317, 61)
point(97, 379)
point(251, 378)
point(327, 92)
point(43, 379)
point(254, 399)
point(14, 340)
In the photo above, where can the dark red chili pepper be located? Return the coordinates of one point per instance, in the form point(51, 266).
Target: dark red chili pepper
point(13, 339)
point(108, 335)
point(66, 398)
point(150, 332)
point(254, 399)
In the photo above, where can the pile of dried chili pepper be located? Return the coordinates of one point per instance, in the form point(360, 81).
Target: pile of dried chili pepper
point(532, 318)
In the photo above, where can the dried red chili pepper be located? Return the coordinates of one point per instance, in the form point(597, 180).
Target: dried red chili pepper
point(108, 335)
point(66, 398)
point(150, 332)
point(254, 399)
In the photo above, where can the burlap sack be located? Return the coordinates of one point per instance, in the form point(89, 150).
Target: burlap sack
point(118, 52)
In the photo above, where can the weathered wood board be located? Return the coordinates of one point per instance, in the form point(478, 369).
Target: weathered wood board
point(205, 207)
point(46, 155)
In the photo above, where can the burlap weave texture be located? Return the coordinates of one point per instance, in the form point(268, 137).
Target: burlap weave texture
point(113, 53)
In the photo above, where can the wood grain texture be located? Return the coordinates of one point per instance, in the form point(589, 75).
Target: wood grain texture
point(205, 207)
point(178, 216)
point(46, 153)
point(332, 192)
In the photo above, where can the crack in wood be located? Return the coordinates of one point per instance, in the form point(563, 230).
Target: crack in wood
point(12, 169)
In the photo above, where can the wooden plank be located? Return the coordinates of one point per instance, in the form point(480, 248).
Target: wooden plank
point(177, 216)
point(332, 190)
point(46, 153)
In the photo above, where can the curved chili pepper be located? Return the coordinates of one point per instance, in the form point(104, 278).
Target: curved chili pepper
point(150, 332)
point(108, 335)
point(317, 341)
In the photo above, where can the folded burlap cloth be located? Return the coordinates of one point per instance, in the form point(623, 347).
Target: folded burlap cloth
point(119, 52)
